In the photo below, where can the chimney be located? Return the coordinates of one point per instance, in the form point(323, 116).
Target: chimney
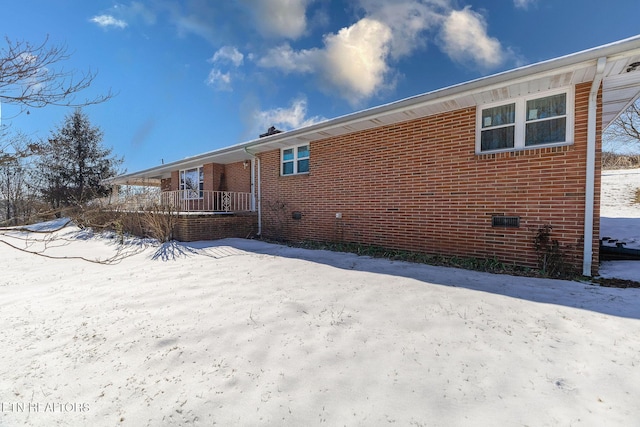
point(271, 131)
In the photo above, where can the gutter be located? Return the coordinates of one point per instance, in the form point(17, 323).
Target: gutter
point(569, 62)
point(257, 203)
point(591, 162)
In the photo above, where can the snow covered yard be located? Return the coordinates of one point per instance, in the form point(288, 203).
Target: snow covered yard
point(239, 332)
point(620, 219)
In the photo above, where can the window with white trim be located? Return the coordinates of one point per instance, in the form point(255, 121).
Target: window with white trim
point(295, 160)
point(526, 122)
point(192, 183)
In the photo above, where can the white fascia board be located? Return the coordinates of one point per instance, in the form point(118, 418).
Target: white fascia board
point(572, 62)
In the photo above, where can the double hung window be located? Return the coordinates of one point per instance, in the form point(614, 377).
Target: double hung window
point(526, 122)
point(295, 160)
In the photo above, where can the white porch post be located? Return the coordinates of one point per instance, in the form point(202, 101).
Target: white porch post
point(115, 194)
point(253, 184)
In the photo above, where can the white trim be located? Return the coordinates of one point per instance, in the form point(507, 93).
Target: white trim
point(184, 191)
point(589, 203)
point(253, 184)
point(256, 180)
point(521, 120)
point(259, 197)
point(583, 63)
point(295, 159)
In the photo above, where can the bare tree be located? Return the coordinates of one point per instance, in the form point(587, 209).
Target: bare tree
point(31, 76)
point(12, 191)
point(16, 198)
point(625, 129)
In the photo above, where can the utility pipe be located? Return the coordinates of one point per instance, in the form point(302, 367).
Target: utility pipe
point(591, 162)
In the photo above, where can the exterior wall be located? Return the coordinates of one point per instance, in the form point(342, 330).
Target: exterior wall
point(190, 228)
point(420, 186)
point(238, 177)
point(165, 184)
point(208, 171)
point(175, 181)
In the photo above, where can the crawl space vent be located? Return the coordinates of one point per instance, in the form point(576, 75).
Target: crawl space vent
point(505, 221)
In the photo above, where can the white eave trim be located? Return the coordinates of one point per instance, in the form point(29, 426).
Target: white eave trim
point(568, 63)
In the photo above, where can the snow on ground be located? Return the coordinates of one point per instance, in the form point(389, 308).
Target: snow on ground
point(620, 219)
point(241, 332)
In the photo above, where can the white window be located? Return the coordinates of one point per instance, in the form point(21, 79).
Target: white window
point(527, 122)
point(295, 160)
point(192, 183)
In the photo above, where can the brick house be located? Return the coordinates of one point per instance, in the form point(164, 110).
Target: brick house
point(469, 170)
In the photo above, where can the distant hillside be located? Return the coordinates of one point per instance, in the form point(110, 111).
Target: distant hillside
point(620, 161)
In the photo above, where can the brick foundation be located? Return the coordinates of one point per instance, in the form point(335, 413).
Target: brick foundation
point(190, 228)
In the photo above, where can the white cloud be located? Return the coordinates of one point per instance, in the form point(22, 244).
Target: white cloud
point(284, 58)
point(219, 80)
point(408, 20)
point(355, 58)
point(197, 18)
point(228, 54)
point(524, 4)
point(352, 62)
point(279, 18)
point(292, 117)
point(133, 12)
point(138, 9)
point(108, 21)
point(194, 25)
point(357, 61)
point(465, 39)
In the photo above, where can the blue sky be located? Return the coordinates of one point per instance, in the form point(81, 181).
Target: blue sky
point(191, 76)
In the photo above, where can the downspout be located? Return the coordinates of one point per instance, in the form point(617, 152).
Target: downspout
point(257, 203)
point(591, 162)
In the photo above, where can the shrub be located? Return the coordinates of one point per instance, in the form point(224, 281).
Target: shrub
point(552, 257)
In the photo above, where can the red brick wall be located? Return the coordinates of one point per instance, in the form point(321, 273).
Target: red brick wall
point(238, 177)
point(208, 179)
point(420, 186)
point(190, 228)
point(175, 181)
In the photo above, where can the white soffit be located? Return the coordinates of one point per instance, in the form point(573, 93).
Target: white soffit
point(620, 88)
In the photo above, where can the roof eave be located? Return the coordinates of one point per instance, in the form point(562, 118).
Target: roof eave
point(246, 150)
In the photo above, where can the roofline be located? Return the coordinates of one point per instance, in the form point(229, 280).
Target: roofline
point(168, 167)
point(525, 72)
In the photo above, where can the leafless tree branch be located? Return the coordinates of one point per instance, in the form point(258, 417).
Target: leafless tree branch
point(626, 128)
point(31, 76)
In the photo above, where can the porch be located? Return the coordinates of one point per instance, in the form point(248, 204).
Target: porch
point(206, 201)
point(186, 201)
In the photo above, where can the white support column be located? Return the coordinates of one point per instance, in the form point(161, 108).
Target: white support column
point(590, 172)
point(253, 184)
point(115, 194)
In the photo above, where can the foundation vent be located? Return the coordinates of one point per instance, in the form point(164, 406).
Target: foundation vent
point(505, 221)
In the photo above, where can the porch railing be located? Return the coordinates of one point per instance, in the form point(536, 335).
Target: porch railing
point(206, 201)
